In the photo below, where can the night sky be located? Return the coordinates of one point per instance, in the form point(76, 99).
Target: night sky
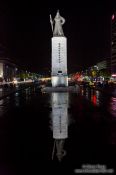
point(25, 34)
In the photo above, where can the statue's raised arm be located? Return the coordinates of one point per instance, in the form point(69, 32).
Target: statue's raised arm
point(58, 22)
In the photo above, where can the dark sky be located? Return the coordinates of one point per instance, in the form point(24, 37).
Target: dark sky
point(26, 34)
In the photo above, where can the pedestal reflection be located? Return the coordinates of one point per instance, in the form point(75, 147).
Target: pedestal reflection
point(59, 123)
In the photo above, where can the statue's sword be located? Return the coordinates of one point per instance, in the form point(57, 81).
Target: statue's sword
point(51, 21)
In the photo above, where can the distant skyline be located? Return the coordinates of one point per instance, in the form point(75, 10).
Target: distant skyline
point(26, 33)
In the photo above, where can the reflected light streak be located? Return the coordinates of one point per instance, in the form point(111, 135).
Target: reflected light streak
point(1, 102)
point(93, 99)
point(113, 106)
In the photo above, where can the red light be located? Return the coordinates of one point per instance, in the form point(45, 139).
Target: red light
point(94, 100)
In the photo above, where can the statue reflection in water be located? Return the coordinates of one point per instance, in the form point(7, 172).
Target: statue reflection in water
point(59, 123)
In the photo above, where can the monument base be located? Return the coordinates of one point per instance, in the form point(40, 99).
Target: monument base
point(61, 89)
point(59, 81)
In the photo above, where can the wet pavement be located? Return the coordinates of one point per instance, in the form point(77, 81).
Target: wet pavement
point(56, 132)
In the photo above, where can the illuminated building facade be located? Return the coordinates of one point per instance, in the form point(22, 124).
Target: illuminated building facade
point(113, 50)
point(7, 69)
point(103, 64)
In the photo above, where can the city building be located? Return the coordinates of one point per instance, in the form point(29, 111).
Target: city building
point(8, 69)
point(113, 48)
point(104, 64)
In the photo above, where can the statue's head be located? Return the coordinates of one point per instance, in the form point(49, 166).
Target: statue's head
point(57, 14)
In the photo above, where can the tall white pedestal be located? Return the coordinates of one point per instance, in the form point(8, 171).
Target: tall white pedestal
point(59, 61)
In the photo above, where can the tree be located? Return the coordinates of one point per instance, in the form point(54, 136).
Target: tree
point(104, 73)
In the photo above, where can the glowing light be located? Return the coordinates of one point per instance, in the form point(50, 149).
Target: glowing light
point(45, 79)
point(113, 17)
point(15, 81)
point(1, 70)
point(94, 99)
point(113, 75)
point(82, 92)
